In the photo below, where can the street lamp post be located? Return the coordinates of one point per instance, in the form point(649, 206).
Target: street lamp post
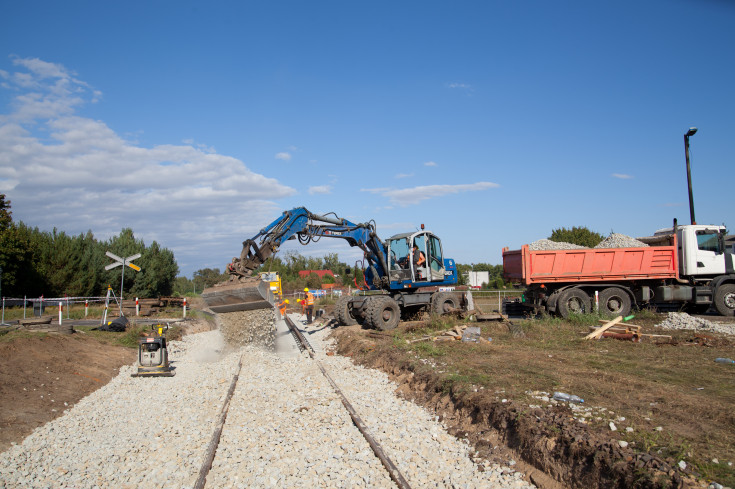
point(690, 132)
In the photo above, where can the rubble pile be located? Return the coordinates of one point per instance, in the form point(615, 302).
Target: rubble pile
point(255, 327)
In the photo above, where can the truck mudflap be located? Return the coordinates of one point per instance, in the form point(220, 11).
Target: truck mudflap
point(239, 295)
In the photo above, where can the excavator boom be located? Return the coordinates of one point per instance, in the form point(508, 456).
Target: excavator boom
point(243, 292)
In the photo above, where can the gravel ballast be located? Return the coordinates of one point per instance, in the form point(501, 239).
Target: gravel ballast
point(285, 428)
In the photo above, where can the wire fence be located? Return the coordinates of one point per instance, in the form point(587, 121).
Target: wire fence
point(491, 300)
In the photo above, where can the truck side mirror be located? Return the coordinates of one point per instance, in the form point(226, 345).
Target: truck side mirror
point(720, 243)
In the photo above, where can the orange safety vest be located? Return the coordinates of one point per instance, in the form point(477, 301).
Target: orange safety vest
point(282, 307)
point(309, 299)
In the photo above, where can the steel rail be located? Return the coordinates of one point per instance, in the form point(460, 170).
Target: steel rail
point(214, 442)
point(393, 471)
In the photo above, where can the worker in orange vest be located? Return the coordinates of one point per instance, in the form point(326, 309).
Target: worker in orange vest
point(309, 301)
point(282, 307)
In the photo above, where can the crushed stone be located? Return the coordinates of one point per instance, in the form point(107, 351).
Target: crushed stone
point(682, 320)
point(616, 240)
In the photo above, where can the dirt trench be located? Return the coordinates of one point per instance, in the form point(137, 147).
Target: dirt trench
point(550, 447)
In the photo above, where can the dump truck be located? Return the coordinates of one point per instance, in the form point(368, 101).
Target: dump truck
point(686, 267)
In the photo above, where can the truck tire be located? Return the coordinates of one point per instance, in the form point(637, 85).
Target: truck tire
point(614, 301)
point(725, 299)
point(342, 312)
point(443, 302)
point(383, 313)
point(573, 301)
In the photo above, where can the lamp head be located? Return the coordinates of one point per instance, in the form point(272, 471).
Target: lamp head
point(691, 132)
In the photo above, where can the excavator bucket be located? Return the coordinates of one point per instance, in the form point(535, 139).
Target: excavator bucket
point(243, 295)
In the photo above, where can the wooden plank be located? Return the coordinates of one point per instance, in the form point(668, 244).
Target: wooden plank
point(632, 327)
point(598, 332)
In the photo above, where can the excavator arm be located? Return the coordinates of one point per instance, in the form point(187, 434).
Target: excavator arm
point(307, 227)
point(242, 292)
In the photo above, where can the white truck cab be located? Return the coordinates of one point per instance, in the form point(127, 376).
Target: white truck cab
point(706, 263)
point(702, 250)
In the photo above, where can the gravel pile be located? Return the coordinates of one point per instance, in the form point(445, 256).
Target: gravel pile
point(616, 240)
point(548, 245)
point(285, 428)
point(682, 320)
point(133, 432)
point(255, 327)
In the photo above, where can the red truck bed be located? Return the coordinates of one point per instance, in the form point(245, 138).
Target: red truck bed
point(590, 265)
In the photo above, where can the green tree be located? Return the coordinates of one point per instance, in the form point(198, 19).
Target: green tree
point(6, 218)
point(158, 272)
point(313, 281)
point(183, 286)
point(207, 277)
point(581, 236)
point(19, 275)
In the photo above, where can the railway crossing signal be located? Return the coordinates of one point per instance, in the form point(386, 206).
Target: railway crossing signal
point(122, 262)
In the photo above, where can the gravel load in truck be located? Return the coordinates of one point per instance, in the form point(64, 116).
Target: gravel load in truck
point(616, 240)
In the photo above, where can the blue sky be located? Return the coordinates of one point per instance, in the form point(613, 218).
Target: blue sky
point(492, 123)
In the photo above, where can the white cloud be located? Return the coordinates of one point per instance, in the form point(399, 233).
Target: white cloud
point(283, 156)
point(431, 163)
point(404, 175)
point(622, 176)
point(408, 196)
point(320, 189)
point(76, 174)
point(466, 88)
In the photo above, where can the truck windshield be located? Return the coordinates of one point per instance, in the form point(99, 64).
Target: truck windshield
point(708, 241)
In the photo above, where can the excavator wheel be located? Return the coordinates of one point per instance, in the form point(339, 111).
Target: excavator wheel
point(383, 313)
point(443, 302)
point(342, 311)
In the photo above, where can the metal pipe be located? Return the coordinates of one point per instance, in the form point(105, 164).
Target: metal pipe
point(690, 132)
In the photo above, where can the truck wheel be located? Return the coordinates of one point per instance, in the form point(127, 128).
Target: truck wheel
point(725, 299)
point(342, 312)
point(443, 302)
point(614, 301)
point(383, 313)
point(573, 301)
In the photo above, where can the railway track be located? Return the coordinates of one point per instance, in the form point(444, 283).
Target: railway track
point(391, 470)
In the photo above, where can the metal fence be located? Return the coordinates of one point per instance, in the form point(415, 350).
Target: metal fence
point(490, 300)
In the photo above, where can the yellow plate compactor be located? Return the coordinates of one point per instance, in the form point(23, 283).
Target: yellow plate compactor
point(153, 355)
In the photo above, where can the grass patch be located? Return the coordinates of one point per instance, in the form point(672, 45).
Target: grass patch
point(676, 386)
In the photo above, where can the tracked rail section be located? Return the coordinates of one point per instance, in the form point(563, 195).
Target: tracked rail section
point(395, 474)
point(303, 344)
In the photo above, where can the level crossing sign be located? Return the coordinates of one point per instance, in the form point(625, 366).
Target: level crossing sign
point(122, 262)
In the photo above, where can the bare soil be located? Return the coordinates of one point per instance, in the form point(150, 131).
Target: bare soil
point(42, 374)
point(674, 397)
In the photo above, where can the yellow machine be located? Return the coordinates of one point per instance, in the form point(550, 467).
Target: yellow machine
point(274, 282)
point(153, 354)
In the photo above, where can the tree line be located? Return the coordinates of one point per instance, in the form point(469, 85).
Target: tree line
point(54, 264)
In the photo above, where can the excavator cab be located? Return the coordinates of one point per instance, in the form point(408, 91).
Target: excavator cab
point(404, 264)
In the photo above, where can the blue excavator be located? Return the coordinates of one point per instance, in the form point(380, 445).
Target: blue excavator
point(406, 274)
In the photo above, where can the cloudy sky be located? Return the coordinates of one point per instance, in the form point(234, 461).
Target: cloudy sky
point(491, 122)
